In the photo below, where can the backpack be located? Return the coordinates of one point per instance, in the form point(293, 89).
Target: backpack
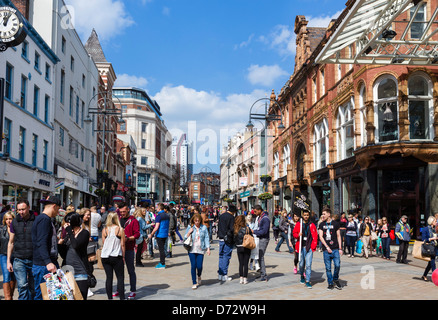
point(277, 221)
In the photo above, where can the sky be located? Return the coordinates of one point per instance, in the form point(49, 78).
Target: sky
point(204, 61)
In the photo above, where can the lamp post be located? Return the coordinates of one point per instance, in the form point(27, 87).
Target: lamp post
point(266, 117)
point(105, 108)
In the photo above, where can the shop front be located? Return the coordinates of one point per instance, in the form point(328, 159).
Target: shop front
point(320, 190)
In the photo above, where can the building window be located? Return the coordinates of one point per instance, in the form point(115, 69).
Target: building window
point(363, 116)
point(276, 166)
point(321, 139)
point(143, 143)
point(419, 23)
point(62, 93)
point(144, 161)
point(143, 127)
point(37, 61)
point(48, 69)
point(70, 112)
point(23, 94)
point(315, 93)
point(36, 98)
point(386, 109)
point(124, 108)
point(420, 108)
point(21, 143)
point(25, 50)
point(45, 154)
point(92, 160)
point(322, 82)
point(63, 44)
point(286, 159)
point(82, 154)
point(7, 133)
point(77, 109)
point(34, 150)
point(83, 80)
point(72, 63)
point(345, 131)
point(9, 81)
point(61, 136)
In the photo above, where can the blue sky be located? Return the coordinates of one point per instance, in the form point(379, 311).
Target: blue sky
point(204, 61)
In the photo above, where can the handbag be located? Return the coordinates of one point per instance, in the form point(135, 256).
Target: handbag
point(248, 241)
point(374, 235)
point(416, 251)
point(188, 243)
point(427, 249)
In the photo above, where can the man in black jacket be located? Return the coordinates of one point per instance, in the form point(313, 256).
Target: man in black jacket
point(45, 244)
point(225, 234)
point(20, 247)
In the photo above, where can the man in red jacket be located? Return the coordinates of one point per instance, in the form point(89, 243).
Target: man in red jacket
point(307, 236)
point(132, 232)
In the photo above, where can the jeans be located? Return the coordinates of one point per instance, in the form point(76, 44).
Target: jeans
point(306, 261)
point(284, 238)
point(328, 258)
point(130, 266)
point(263, 244)
point(7, 276)
point(25, 282)
point(225, 252)
point(115, 265)
point(196, 262)
point(161, 242)
point(386, 247)
point(38, 273)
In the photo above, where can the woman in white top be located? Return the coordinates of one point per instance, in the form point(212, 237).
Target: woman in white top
point(113, 253)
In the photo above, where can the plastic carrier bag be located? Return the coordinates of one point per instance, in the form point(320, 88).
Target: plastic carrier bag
point(58, 288)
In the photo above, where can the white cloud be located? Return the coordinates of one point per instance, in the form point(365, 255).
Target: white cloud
point(265, 75)
point(322, 21)
point(126, 80)
point(166, 11)
point(112, 20)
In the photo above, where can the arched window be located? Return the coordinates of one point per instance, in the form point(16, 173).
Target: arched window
point(345, 131)
point(420, 107)
point(276, 166)
point(386, 109)
point(321, 139)
point(300, 161)
point(286, 158)
point(363, 117)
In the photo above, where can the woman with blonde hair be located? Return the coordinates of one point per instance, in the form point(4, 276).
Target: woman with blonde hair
point(113, 254)
point(8, 277)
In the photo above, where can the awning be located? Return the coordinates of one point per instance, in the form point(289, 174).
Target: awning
point(368, 25)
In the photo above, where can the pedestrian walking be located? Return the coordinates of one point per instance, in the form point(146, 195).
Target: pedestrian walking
point(200, 245)
point(365, 235)
point(161, 233)
point(307, 239)
point(45, 247)
point(429, 235)
point(243, 254)
point(141, 242)
point(276, 225)
point(113, 254)
point(403, 232)
point(226, 241)
point(343, 229)
point(20, 250)
point(131, 229)
point(95, 223)
point(77, 256)
point(263, 234)
point(292, 239)
point(383, 232)
point(284, 229)
point(8, 277)
point(330, 237)
point(351, 235)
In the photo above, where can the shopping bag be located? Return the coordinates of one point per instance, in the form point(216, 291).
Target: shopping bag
point(359, 246)
point(56, 287)
point(99, 259)
point(71, 280)
point(416, 251)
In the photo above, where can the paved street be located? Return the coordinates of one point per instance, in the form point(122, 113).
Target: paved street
point(363, 279)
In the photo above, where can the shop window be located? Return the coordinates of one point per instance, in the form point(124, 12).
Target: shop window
point(276, 166)
point(345, 131)
point(386, 110)
point(363, 117)
point(321, 139)
point(420, 107)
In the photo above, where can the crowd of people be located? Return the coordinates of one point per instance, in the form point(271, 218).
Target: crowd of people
point(121, 236)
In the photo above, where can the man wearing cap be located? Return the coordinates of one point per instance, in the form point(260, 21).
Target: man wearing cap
point(45, 248)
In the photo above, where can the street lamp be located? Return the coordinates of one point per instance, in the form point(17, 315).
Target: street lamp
point(106, 108)
point(267, 118)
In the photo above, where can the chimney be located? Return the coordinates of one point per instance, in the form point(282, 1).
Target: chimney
point(23, 7)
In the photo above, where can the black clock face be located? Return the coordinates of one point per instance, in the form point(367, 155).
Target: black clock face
point(12, 31)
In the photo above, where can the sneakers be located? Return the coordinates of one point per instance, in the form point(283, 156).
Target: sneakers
point(338, 285)
point(219, 277)
point(131, 296)
point(90, 294)
point(245, 281)
point(160, 266)
point(295, 270)
point(308, 285)
point(303, 280)
point(195, 286)
point(199, 281)
point(330, 286)
point(115, 294)
point(226, 278)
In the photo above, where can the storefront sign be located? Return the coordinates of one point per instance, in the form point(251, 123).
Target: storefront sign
point(245, 194)
point(44, 182)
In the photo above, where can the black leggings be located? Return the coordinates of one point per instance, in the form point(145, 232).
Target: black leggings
point(116, 265)
point(243, 254)
point(83, 288)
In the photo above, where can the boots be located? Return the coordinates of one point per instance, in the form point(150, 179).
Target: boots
point(7, 291)
point(12, 285)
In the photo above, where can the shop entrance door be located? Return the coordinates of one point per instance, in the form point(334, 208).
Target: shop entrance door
point(395, 208)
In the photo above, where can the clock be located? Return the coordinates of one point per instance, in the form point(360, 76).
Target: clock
point(12, 31)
